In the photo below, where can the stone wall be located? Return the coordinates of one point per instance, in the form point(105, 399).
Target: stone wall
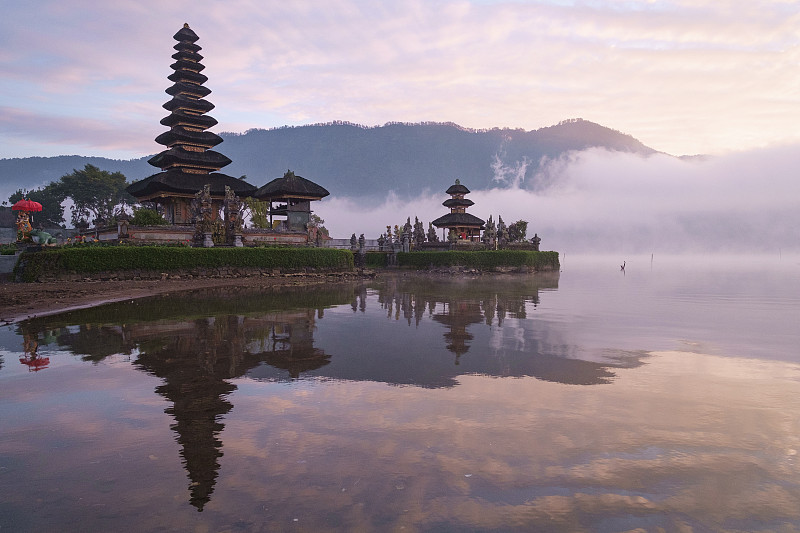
point(201, 273)
point(250, 236)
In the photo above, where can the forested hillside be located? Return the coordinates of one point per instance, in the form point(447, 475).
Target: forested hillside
point(352, 160)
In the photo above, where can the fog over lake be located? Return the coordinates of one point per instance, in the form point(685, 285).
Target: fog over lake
point(600, 201)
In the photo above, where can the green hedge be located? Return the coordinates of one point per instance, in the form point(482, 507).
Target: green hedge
point(484, 260)
point(376, 259)
point(91, 260)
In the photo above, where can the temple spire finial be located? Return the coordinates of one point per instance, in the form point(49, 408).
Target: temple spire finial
point(186, 25)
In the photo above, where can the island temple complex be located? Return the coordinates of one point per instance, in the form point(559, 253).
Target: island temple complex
point(190, 192)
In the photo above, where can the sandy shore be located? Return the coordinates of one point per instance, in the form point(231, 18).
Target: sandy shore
point(19, 301)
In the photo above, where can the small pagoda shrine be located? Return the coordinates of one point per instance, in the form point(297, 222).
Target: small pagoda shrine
point(467, 227)
point(294, 195)
point(188, 163)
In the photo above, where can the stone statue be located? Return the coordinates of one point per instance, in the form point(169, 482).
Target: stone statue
point(536, 240)
point(23, 225)
point(202, 216)
point(353, 242)
point(502, 231)
point(42, 237)
point(407, 226)
point(490, 233)
point(232, 208)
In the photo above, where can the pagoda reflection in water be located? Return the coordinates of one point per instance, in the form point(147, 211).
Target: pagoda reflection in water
point(198, 343)
point(197, 359)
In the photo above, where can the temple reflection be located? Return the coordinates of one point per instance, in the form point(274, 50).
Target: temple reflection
point(196, 357)
point(198, 343)
point(462, 306)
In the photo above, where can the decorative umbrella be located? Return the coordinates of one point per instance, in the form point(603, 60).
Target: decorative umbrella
point(27, 205)
point(34, 362)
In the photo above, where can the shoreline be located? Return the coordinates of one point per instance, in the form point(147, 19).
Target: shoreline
point(21, 301)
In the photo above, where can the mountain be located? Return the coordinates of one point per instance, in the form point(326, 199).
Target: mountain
point(352, 160)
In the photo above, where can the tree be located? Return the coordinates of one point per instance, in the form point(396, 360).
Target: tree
point(98, 196)
point(51, 197)
point(517, 231)
point(259, 212)
point(147, 217)
point(419, 232)
point(432, 236)
point(315, 222)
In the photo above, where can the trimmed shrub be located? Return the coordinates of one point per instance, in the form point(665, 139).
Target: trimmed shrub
point(91, 260)
point(377, 259)
point(484, 260)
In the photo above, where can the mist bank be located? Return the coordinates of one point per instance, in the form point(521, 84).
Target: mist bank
point(600, 201)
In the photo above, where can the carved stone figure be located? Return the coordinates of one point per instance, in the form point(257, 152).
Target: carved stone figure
point(23, 225)
point(232, 208)
point(202, 216)
point(490, 233)
point(536, 240)
point(502, 231)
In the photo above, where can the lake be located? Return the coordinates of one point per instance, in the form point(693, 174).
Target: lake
point(665, 396)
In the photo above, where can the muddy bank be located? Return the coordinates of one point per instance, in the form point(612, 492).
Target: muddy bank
point(19, 301)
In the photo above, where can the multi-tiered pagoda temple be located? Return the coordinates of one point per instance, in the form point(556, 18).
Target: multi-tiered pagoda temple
point(188, 163)
point(466, 226)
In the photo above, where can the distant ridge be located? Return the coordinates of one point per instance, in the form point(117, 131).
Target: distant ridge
point(353, 160)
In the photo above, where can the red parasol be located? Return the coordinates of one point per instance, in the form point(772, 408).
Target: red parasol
point(34, 362)
point(27, 205)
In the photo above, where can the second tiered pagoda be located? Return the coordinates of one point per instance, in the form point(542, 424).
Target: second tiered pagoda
point(466, 226)
point(188, 163)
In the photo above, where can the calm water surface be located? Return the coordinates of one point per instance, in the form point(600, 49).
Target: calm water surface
point(667, 396)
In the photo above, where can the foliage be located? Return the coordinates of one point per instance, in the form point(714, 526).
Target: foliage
point(376, 259)
point(98, 195)
point(419, 232)
point(406, 158)
point(432, 236)
point(316, 222)
point(259, 212)
point(147, 217)
point(51, 197)
point(484, 260)
point(517, 231)
point(93, 259)
point(8, 249)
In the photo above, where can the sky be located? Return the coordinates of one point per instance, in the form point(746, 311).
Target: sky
point(684, 77)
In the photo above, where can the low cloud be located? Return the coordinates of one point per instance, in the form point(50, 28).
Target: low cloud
point(599, 201)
